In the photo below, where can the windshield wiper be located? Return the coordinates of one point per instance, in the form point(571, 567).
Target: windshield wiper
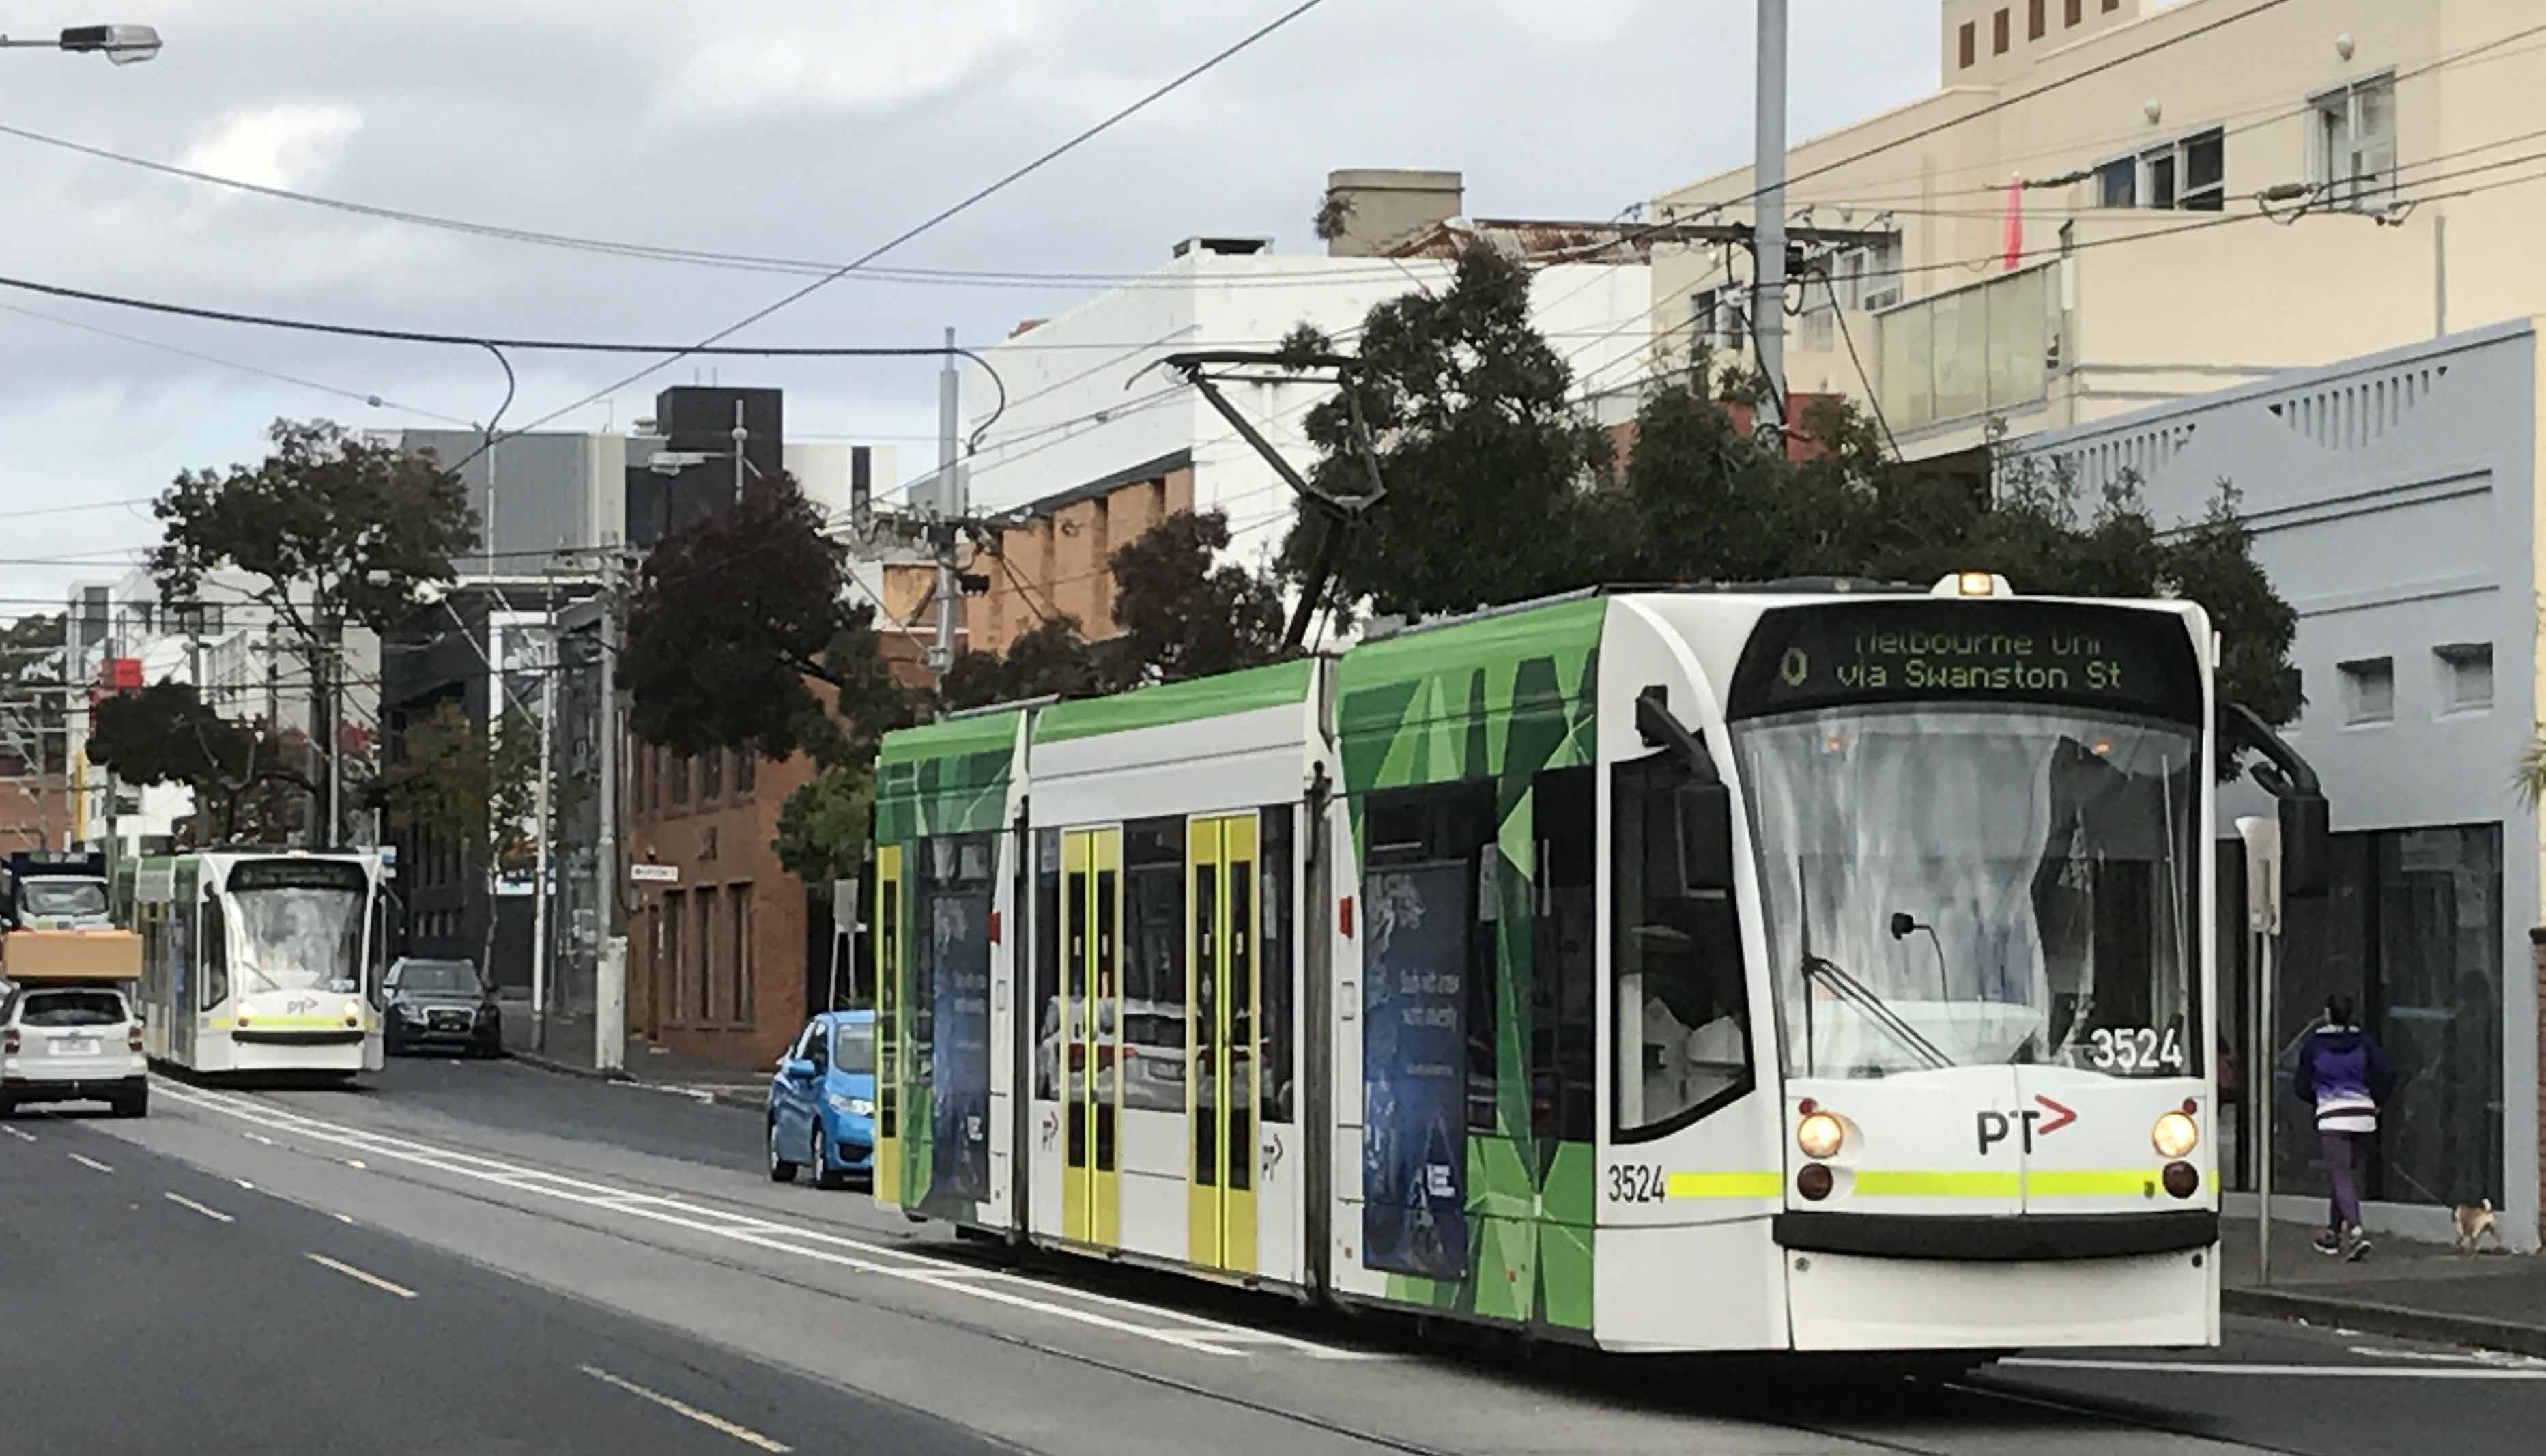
point(1875, 1008)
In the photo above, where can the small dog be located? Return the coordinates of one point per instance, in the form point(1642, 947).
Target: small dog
point(2473, 1224)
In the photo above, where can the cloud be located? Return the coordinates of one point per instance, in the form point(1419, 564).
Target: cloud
point(865, 61)
point(289, 145)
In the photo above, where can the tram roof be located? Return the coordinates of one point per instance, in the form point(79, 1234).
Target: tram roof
point(1275, 685)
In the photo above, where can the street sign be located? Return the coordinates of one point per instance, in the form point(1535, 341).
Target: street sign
point(654, 874)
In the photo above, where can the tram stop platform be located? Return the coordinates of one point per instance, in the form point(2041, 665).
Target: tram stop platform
point(2489, 1300)
point(566, 1049)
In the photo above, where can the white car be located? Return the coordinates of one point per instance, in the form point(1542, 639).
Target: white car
point(71, 1044)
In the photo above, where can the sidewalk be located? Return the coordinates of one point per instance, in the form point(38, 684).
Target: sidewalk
point(2414, 1291)
point(568, 1051)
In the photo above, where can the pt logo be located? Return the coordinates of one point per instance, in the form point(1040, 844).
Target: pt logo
point(2042, 1121)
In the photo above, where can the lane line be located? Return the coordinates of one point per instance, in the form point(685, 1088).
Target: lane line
point(214, 1214)
point(1197, 1333)
point(743, 1434)
point(20, 1136)
point(2312, 1372)
point(91, 1162)
point(350, 1272)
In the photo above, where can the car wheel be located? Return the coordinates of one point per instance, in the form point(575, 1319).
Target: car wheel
point(825, 1175)
point(136, 1105)
point(8, 1108)
point(780, 1169)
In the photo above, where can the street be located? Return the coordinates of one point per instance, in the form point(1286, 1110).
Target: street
point(468, 1256)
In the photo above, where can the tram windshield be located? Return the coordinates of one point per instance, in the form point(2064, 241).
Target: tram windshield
point(1950, 886)
point(297, 925)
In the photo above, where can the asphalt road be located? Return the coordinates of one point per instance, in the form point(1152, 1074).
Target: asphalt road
point(146, 1307)
point(554, 1217)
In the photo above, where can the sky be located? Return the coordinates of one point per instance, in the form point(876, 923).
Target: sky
point(795, 128)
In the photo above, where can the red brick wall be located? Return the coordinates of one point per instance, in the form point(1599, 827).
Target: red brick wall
point(1057, 564)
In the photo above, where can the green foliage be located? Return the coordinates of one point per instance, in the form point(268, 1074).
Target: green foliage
point(1055, 659)
point(1489, 466)
point(247, 781)
point(1183, 617)
point(825, 823)
point(735, 616)
point(472, 787)
point(333, 528)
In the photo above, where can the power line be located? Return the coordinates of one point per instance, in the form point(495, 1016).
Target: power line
point(949, 212)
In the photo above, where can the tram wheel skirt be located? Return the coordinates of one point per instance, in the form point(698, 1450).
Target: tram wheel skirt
point(1851, 1302)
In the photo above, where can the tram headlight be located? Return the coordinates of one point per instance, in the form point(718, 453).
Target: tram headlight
point(2174, 1135)
point(1819, 1134)
point(353, 1014)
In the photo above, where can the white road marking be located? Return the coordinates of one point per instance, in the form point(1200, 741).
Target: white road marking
point(350, 1272)
point(23, 1137)
point(1194, 1332)
point(2316, 1372)
point(342, 1219)
point(214, 1214)
point(743, 1434)
point(2497, 1360)
point(91, 1162)
point(355, 1162)
point(244, 1183)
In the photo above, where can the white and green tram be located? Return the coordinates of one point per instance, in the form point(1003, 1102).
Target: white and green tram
point(1788, 969)
point(259, 960)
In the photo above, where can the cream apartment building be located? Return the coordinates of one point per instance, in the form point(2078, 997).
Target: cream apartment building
point(2201, 194)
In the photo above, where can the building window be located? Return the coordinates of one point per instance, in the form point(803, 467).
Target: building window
point(1999, 32)
point(746, 772)
point(2112, 5)
point(2036, 19)
point(676, 966)
point(2118, 183)
point(2369, 690)
point(662, 762)
point(638, 762)
point(1868, 279)
point(2190, 174)
point(2354, 145)
point(711, 775)
point(1715, 320)
point(738, 923)
point(2203, 172)
point(2076, 11)
point(2158, 167)
point(679, 769)
point(710, 953)
point(2466, 676)
point(1971, 43)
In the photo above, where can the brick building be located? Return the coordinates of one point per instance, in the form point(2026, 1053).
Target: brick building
point(1055, 552)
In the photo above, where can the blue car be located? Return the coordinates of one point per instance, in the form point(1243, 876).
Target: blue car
point(821, 1101)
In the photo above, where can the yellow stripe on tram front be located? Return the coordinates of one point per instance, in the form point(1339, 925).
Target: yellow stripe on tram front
point(1935, 1183)
point(2091, 1183)
point(1725, 1185)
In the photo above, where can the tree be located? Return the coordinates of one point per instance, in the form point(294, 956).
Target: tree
point(334, 529)
point(475, 788)
point(244, 778)
point(1486, 459)
point(1054, 659)
point(1181, 615)
point(1497, 492)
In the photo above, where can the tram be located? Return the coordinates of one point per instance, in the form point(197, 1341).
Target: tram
point(259, 960)
point(1808, 968)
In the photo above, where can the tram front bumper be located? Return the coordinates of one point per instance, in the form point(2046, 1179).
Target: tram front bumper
point(1908, 1283)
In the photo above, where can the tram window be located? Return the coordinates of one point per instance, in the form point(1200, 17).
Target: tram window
point(1682, 1047)
point(214, 955)
point(1564, 925)
point(1434, 870)
point(1046, 965)
point(1154, 963)
point(1280, 962)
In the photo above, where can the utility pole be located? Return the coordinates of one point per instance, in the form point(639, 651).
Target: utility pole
point(950, 509)
point(1768, 264)
point(739, 436)
point(335, 650)
point(609, 974)
point(539, 861)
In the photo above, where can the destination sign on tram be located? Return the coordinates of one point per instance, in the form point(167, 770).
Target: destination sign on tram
point(2120, 658)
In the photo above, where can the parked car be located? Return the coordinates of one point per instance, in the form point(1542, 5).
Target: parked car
point(440, 1003)
point(821, 1101)
point(72, 1043)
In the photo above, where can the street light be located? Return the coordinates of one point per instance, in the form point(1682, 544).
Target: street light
point(121, 44)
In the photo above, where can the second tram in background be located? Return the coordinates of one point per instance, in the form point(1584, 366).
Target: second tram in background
point(1800, 967)
point(259, 960)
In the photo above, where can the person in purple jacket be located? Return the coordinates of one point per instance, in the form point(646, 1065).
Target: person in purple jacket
point(2347, 1078)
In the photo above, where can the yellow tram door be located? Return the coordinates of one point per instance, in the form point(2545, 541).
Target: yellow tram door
point(1221, 998)
point(888, 1032)
point(1091, 1030)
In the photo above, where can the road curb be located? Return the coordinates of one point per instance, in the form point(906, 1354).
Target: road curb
point(566, 1068)
point(2400, 1321)
point(747, 1098)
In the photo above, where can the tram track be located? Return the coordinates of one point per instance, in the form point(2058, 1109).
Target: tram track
point(1473, 1357)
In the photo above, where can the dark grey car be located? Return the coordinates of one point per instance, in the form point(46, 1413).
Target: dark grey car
point(439, 1004)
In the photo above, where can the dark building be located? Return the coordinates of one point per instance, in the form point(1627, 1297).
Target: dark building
point(699, 421)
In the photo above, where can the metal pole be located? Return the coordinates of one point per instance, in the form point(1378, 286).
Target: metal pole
point(1768, 298)
point(739, 435)
point(941, 655)
point(2264, 1091)
point(335, 733)
point(539, 861)
point(610, 983)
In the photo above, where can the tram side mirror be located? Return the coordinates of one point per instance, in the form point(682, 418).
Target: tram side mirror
point(1690, 854)
point(2307, 846)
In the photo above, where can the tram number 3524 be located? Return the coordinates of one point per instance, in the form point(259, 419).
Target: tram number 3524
point(1635, 1182)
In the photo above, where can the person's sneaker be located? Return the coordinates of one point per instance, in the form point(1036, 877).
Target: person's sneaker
point(2329, 1242)
point(2359, 1244)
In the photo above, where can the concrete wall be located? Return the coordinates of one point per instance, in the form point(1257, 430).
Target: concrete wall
point(2231, 296)
point(2393, 503)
